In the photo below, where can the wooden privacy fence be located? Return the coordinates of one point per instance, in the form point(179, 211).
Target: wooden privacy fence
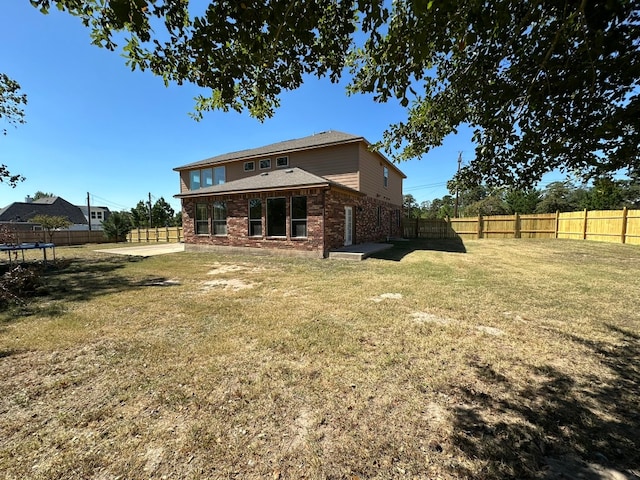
point(61, 237)
point(158, 234)
point(620, 226)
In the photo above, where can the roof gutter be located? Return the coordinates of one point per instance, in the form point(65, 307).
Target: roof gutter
point(249, 190)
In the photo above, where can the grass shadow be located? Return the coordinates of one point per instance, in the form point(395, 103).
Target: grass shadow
point(559, 427)
point(402, 248)
point(79, 280)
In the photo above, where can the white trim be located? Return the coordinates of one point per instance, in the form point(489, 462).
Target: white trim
point(286, 165)
point(264, 160)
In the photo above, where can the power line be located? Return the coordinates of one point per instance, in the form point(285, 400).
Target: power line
point(109, 202)
point(426, 186)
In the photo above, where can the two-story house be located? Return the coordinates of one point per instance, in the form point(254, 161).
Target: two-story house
point(97, 215)
point(308, 195)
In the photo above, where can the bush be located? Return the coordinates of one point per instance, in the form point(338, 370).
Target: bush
point(17, 284)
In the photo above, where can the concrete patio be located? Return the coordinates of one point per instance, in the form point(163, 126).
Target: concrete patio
point(358, 252)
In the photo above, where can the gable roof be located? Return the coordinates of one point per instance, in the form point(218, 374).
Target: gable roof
point(323, 139)
point(286, 179)
point(52, 206)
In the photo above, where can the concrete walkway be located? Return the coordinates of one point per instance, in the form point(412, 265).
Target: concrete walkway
point(146, 249)
point(358, 252)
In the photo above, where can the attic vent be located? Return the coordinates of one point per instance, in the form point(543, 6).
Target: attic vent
point(289, 171)
point(264, 174)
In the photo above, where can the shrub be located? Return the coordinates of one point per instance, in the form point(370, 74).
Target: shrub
point(17, 284)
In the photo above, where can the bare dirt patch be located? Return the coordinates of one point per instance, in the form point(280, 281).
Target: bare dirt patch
point(387, 296)
point(222, 268)
point(425, 317)
point(233, 284)
point(490, 330)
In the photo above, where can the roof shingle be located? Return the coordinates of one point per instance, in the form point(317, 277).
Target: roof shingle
point(331, 137)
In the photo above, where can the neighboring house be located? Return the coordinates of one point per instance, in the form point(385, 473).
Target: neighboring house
point(308, 195)
point(19, 214)
point(98, 215)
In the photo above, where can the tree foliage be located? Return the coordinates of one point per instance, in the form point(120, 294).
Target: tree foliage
point(544, 84)
point(12, 103)
point(162, 214)
point(140, 215)
point(40, 194)
point(117, 226)
point(605, 193)
point(51, 223)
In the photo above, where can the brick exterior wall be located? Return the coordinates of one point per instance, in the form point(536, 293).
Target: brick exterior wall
point(238, 223)
point(370, 228)
point(325, 221)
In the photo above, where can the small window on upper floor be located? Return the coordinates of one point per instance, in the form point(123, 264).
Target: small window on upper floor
point(249, 166)
point(282, 162)
point(265, 164)
point(385, 175)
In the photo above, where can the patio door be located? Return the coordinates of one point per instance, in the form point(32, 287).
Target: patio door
point(348, 226)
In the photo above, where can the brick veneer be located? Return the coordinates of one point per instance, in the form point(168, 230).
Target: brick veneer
point(238, 222)
point(325, 221)
point(366, 219)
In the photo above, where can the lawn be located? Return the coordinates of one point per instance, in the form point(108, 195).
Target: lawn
point(488, 359)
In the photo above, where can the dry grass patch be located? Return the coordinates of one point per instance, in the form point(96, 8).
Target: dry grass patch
point(502, 362)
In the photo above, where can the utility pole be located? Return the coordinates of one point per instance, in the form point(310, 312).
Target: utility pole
point(89, 211)
point(455, 208)
point(149, 209)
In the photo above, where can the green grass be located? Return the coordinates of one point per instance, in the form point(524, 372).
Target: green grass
point(490, 359)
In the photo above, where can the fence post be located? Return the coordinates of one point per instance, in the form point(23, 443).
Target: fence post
point(623, 235)
point(584, 225)
point(516, 230)
point(557, 223)
point(479, 226)
point(449, 228)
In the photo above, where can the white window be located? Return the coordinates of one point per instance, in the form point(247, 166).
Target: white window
point(282, 162)
point(249, 166)
point(265, 164)
point(385, 175)
point(298, 216)
point(219, 175)
point(194, 179)
point(276, 217)
point(206, 177)
point(202, 219)
point(219, 218)
point(255, 217)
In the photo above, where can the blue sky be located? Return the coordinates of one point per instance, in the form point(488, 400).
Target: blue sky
point(95, 126)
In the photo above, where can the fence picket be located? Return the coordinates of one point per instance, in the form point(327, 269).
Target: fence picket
point(621, 226)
